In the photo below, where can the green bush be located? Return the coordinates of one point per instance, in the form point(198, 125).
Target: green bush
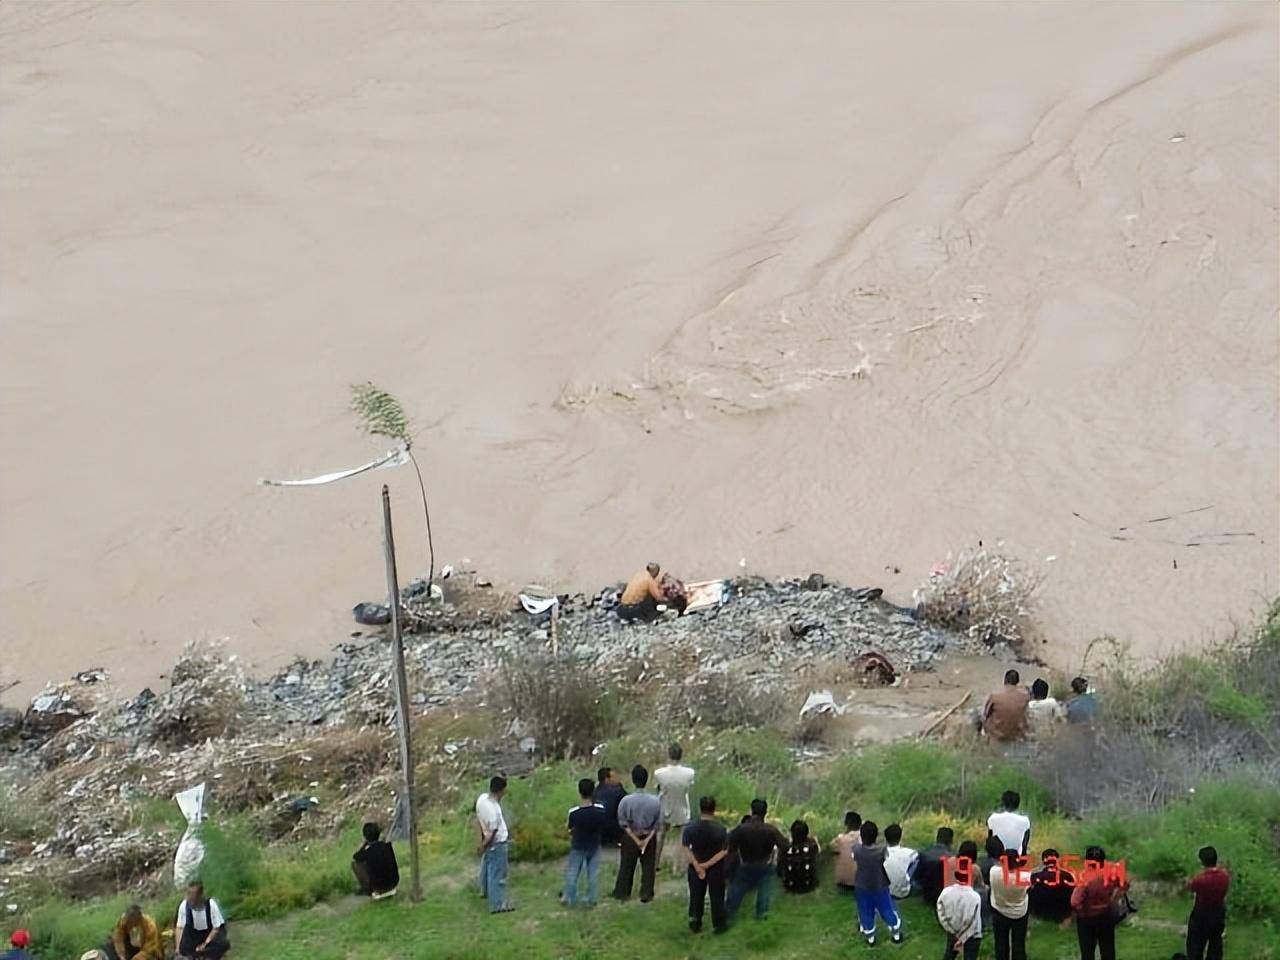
point(1239, 818)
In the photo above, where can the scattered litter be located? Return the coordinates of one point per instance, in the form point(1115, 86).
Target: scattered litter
point(874, 668)
point(371, 614)
point(820, 703)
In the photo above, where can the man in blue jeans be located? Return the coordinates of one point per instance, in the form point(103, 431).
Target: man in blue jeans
point(755, 842)
point(587, 822)
point(493, 846)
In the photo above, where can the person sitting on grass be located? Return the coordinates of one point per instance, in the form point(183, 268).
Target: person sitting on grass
point(959, 909)
point(1208, 919)
point(871, 886)
point(705, 845)
point(1049, 896)
point(19, 941)
point(374, 865)
point(842, 846)
point(899, 862)
point(200, 930)
point(754, 841)
point(798, 863)
point(587, 822)
point(135, 937)
point(929, 877)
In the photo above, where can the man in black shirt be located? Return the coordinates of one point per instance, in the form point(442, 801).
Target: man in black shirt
point(374, 864)
point(755, 842)
point(587, 822)
point(929, 866)
point(705, 844)
point(1049, 896)
point(609, 793)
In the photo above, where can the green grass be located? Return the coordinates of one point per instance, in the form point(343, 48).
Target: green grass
point(453, 924)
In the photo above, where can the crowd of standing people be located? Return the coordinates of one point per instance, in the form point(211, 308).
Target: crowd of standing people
point(974, 893)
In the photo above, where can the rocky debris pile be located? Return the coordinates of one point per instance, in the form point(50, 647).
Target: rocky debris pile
point(87, 757)
point(765, 630)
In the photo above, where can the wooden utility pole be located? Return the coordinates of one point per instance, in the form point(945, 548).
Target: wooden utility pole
point(402, 695)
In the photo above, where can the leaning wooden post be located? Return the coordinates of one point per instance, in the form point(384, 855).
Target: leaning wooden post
point(402, 694)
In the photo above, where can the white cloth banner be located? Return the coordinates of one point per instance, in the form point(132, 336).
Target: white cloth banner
point(392, 458)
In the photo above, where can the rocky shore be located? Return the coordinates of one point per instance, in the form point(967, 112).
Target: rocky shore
point(87, 757)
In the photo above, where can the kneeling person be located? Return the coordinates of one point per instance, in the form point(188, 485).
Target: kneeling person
point(200, 930)
point(374, 865)
point(135, 937)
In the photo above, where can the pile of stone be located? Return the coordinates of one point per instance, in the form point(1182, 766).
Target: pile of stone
point(87, 756)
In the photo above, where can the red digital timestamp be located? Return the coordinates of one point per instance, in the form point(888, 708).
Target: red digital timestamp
point(1070, 870)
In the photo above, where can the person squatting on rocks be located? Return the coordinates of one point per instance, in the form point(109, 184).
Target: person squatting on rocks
point(493, 846)
point(705, 845)
point(645, 590)
point(200, 930)
point(640, 817)
point(674, 780)
point(586, 824)
point(135, 937)
point(374, 865)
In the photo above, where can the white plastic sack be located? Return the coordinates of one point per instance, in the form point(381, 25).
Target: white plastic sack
point(820, 702)
point(186, 862)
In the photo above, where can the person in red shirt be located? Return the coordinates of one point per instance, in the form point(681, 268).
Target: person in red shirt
point(1091, 901)
point(1208, 917)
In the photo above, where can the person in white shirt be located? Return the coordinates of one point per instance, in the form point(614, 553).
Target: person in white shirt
point(200, 929)
point(493, 846)
point(1044, 713)
point(1010, 882)
point(899, 862)
point(1012, 828)
point(674, 781)
point(960, 916)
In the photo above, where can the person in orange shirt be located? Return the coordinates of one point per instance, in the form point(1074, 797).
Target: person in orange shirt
point(640, 598)
point(135, 937)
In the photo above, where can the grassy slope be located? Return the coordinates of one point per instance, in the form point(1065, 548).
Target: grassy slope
point(453, 924)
